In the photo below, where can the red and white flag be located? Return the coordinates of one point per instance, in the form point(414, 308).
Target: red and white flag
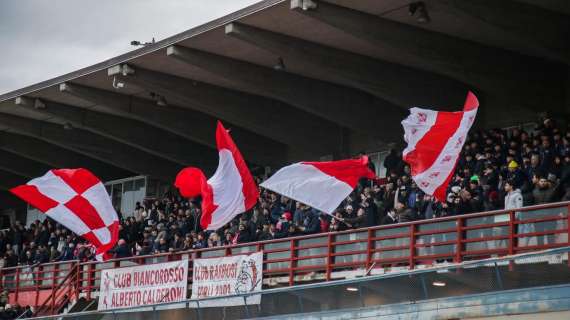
point(321, 185)
point(435, 140)
point(77, 199)
point(229, 192)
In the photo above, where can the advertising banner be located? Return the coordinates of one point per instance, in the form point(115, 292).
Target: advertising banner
point(216, 277)
point(143, 285)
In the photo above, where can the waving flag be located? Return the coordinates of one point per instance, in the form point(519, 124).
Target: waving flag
point(229, 192)
point(435, 139)
point(321, 185)
point(78, 200)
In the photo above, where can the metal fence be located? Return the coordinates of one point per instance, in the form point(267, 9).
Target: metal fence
point(535, 270)
point(327, 256)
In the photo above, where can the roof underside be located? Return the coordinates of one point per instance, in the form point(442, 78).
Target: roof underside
point(293, 80)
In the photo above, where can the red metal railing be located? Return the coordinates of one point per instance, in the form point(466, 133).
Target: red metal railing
point(326, 256)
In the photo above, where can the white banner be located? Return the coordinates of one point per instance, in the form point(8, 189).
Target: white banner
point(215, 277)
point(143, 285)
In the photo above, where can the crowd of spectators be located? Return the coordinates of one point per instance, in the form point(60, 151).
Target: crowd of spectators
point(530, 168)
point(9, 312)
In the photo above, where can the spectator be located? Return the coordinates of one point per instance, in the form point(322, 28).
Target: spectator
point(390, 217)
point(122, 250)
point(67, 253)
point(544, 191)
point(513, 197)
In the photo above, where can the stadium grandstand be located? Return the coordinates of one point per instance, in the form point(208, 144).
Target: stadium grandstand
point(311, 80)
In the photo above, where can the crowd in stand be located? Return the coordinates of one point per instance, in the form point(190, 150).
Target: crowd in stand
point(531, 168)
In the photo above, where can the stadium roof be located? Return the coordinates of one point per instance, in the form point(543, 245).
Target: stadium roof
point(293, 80)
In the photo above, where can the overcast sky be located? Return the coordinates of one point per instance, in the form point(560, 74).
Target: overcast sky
point(42, 39)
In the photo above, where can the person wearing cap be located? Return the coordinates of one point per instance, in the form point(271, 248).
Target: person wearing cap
point(515, 174)
point(282, 226)
point(476, 192)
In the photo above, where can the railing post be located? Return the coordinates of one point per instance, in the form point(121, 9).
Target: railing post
point(513, 240)
point(459, 246)
point(369, 245)
point(17, 284)
point(568, 238)
point(329, 257)
point(38, 281)
point(53, 285)
point(412, 246)
point(89, 280)
point(292, 262)
point(78, 279)
point(512, 233)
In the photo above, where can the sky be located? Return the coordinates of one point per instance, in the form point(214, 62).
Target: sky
point(43, 39)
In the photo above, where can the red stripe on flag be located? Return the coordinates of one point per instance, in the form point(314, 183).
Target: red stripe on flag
point(347, 171)
point(92, 238)
point(432, 143)
point(85, 211)
point(440, 192)
point(34, 197)
point(208, 206)
point(78, 179)
point(114, 230)
point(471, 102)
point(225, 141)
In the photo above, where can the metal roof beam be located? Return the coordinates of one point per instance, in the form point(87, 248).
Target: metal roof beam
point(326, 100)
point(24, 167)
point(521, 81)
point(149, 139)
point(92, 145)
point(195, 126)
point(380, 78)
point(266, 117)
point(549, 32)
point(57, 157)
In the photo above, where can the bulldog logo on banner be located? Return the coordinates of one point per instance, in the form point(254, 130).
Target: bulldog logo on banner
point(226, 276)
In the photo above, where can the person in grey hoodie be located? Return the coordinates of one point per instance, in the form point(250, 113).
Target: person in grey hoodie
point(513, 197)
point(514, 200)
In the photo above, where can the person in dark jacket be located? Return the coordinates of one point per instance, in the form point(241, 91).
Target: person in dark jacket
point(243, 234)
point(146, 249)
point(311, 223)
point(43, 236)
point(265, 233)
point(390, 217)
point(67, 252)
point(392, 161)
point(122, 250)
point(404, 213)
point(359, 221)
point(544, 191)
point(42, 255)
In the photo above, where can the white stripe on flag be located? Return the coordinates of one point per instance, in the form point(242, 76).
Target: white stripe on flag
point(452, 148)
point(53, 187)
point(67, 218)
point(307, 184)
point(416, 125)
point(228, 191)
